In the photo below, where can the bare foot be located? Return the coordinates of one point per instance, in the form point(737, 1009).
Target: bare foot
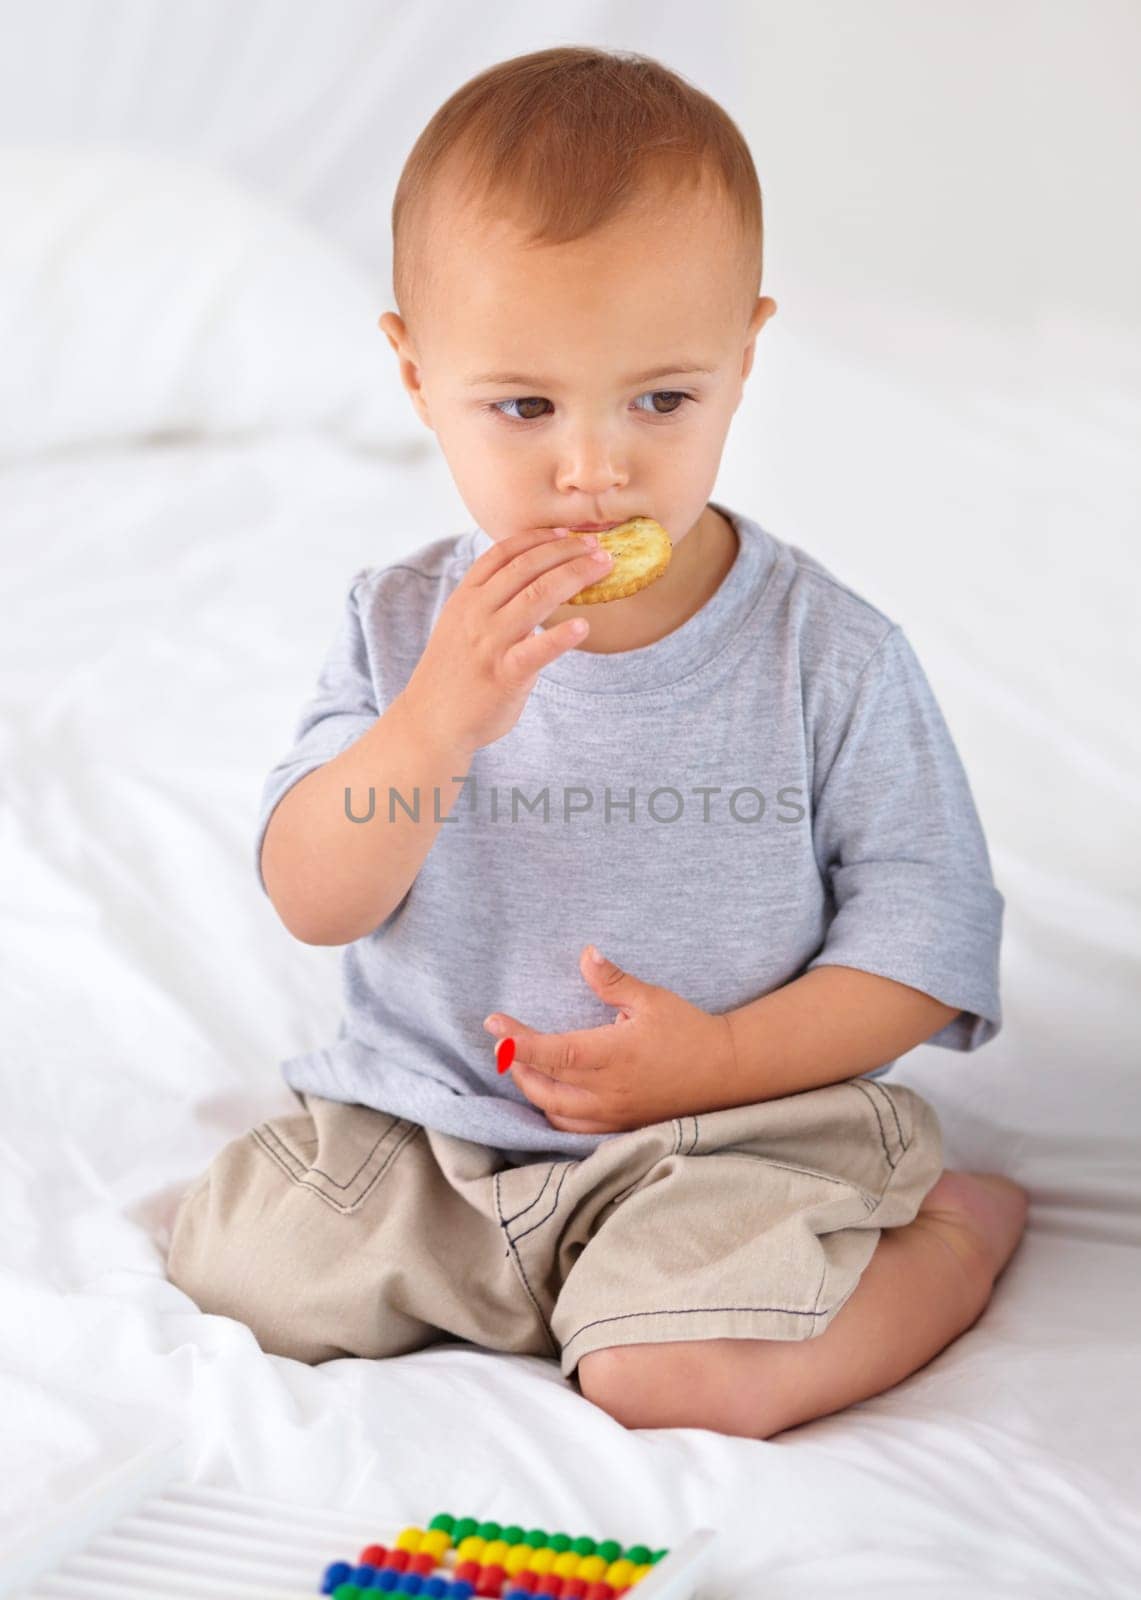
point(981, 1210)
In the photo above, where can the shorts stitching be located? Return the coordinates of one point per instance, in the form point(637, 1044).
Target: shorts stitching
point(696, 1134)
point(537, 1198)
point(548, 1335)
point(321, 1173)
point(302, 1183)
point(685, 1311)
point(890, 1098)
point(567, 1165)
point(879, 1122)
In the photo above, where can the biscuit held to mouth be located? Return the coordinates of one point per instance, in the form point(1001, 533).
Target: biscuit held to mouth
point(641, 549)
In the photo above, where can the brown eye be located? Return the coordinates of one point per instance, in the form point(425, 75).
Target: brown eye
point(668, 394)
point(524, 416)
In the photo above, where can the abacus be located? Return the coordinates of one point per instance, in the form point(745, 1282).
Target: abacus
point(457, 1558)
point(141, 1530)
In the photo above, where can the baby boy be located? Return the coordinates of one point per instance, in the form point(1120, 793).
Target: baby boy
point(692, 1185)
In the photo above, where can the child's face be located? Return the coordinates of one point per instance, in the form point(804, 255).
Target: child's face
point(581, 432)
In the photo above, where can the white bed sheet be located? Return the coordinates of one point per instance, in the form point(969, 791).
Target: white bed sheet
point(167, 609)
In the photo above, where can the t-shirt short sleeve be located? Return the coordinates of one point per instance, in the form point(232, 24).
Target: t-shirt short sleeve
point(342, 708)
point(898, 838)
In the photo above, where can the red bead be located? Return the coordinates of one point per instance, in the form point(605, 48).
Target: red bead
point(599, 1591)
point(423, 1562)
point(373, 1555)
point(398, 1560)
point(574, 1588)
point(526, 1579)
point(490, 1580)
point(467, 1569)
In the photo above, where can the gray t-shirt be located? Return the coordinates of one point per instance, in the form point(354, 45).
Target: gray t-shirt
point(769, 788)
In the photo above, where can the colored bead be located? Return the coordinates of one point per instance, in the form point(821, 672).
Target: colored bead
point(423, 1563)
point(574, 1588)
point(467, 1569)
point(490, 1580)
point(410, 1583)
point(566, 1564)
point(336, 1572)
point(494, 1552)
point(618, 1573)
point(435, 1587)
point(387, 1579)
point(364, 1575)
point(610, 1550)
point(471, 1548)
point(591, 1568)
point(436, 1540)
point(526, 1582)
point(489, 1530)
point(346, 1591)
point(512, 1534)
point(409, 1539)
point(517, 1557)
point(444, 1520)
point(640, 1572)
point(542, 1560)
point(373, 1555)
point(536, 1538)
point(398, 1560)
point(464, 1527)
point(658, 1555)
point(560, 1542)
point(461, 1590)
point(583, 1546)
point(638, 1554)
point(599, 1591)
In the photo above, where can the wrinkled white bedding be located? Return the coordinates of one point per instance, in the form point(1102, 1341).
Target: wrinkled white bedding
point(167, 610)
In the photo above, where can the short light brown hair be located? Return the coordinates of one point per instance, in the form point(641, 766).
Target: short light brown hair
point(563, 140)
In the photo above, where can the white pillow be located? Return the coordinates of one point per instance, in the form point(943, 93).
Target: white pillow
point(143, 295)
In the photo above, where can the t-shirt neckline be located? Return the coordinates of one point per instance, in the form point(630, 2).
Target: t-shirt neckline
point(698, 639)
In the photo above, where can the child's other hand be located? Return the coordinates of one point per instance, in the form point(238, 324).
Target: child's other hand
point(661, 1057)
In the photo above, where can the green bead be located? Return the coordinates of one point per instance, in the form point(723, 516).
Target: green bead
point(560, 1542)
point(609, 1550)
point(346, 1591)
point(658, 1554)
point(444, 1521)
point(513, 1534)
point(488, 1530)
point(464, 1528)
point(583, 1546)
point(638, 1554)
point(536, 1538)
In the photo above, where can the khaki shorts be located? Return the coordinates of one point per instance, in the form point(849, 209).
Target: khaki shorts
point(340, 1230)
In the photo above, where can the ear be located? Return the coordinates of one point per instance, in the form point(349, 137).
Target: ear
point(395, 331)
point(762, 311)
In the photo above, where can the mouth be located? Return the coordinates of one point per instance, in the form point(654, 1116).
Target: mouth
point(596, 527)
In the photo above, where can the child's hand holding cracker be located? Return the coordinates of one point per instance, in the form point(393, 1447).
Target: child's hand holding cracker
point(661, 1057)
point(483, 656)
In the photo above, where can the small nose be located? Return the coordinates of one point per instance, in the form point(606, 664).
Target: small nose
point(589, 468)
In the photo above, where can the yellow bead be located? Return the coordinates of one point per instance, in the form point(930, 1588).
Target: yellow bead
point(618, 1573)
point(542, 1560)
point(517, 1558)
point(436, 1541)
point(495, 1553)
point(471, 1548)
point(409, 1539)
point(566, 1564)
point(591, 1568)
point(640, 1572)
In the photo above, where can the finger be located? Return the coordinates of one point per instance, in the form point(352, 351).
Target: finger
point(504, 551)
point(567, 1057)
point(529, 587)
point(555, 1099)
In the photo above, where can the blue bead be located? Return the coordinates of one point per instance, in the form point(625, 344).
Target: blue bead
point(437, 1587)
point(364, 1577)
point(461, 1589)
point(410, 1583)
point(387, 1578)
point(336, 1572)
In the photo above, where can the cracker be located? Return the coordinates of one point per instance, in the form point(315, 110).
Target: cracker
point(641, 549)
